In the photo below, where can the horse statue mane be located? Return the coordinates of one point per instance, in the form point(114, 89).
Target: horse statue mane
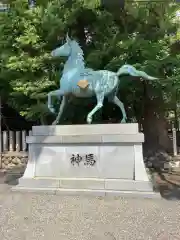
point(77, 53)
point(79, 81)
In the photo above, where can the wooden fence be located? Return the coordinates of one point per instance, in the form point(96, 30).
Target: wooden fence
point(14, 141)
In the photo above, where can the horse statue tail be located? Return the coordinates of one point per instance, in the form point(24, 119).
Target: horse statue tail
point(132, 71)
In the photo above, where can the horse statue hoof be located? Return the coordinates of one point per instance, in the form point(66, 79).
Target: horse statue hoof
point(89, 120)
point(52, 110)
point(123, 120)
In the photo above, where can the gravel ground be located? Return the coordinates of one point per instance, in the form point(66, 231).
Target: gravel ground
point(27, 216)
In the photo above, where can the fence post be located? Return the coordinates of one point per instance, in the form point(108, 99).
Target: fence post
point(174, 141)
point(1, 149)
point(24, 145)
point(5, 141)
point(18, 141)
point(11, 141)
point(30, 133)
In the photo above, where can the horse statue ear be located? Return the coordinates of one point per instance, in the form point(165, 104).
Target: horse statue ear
point(67, 38)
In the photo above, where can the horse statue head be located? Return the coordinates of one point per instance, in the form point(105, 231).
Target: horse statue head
point(71, 47)
point(64, 50)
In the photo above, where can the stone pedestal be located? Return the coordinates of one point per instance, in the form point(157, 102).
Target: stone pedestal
point(101, 159)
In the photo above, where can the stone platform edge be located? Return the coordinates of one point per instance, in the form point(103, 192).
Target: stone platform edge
point(115, 138)
point(85, 129)
point(100, 187)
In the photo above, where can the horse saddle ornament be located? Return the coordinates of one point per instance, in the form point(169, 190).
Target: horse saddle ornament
point(83, 84)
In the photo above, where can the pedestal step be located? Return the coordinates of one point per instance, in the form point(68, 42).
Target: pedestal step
point(97, 187)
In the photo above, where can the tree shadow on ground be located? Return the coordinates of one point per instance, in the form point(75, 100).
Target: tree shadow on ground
point(168, 184)
point(11, 176)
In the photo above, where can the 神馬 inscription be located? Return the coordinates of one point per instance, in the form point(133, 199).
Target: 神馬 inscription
point(88, 159)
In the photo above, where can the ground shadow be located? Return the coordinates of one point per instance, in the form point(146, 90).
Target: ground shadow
point(168, 184)
point(11, 176)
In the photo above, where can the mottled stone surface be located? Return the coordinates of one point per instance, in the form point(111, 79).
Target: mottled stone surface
point(43, 217)
point(11, 161)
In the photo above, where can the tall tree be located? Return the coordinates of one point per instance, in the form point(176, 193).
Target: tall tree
point(144, 35)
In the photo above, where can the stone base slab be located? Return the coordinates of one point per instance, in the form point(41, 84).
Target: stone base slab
point(95, 187)
point(103, 159)
point(85, 129)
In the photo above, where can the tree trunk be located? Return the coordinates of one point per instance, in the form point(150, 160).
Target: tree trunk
point(155, 130)
point(154, 124)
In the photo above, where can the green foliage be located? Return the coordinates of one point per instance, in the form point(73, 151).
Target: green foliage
point(28, 36)
point(145, 35)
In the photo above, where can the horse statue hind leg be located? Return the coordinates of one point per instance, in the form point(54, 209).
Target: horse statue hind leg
point(114, 99)
point(102, 89)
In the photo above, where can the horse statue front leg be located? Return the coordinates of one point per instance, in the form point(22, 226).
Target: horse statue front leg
point(61, 110)
point(56, 93)
point(99, 105)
